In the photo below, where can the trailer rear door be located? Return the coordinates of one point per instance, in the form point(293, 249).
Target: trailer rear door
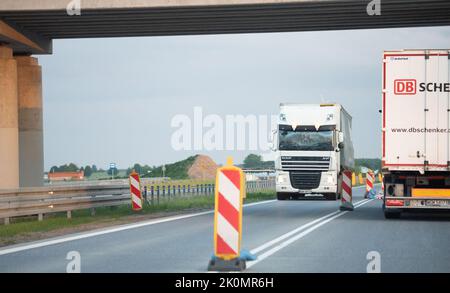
point(416, 103)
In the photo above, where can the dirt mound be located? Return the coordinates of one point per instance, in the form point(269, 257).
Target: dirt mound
point(203, 168)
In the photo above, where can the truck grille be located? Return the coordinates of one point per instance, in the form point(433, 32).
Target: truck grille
point(305, 179)
point(305, 163)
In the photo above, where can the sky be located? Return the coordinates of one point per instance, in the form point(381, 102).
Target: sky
point(113, 100)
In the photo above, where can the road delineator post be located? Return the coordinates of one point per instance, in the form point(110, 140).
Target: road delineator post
point(346, 198)
point(360, 178)
point(370, 179)
point(229, 194)
point(135, 191)
point(380, 195)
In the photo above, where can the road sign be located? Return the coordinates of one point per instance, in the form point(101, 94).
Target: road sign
point(229, 194)
point(135, 191)
point(112, 167)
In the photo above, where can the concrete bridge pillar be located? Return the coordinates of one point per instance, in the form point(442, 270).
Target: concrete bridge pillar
point(31, 141)
point(9, 132)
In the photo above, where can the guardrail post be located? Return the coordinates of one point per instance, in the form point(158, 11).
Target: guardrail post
point(157, 193)
point(40, 217)
point(69, 214)
point(152, 192)
point(189, 188)
point(145, 193)
point(6, 221)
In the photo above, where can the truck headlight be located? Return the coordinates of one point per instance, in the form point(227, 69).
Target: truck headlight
point(330, 179)
point(281, 178)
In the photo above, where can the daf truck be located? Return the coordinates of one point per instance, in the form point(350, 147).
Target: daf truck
point(416, 131)
point(313, 146)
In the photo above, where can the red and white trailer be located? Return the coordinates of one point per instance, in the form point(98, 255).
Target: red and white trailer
point(416, 130)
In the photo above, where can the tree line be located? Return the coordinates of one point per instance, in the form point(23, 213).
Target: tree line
point(88, 170)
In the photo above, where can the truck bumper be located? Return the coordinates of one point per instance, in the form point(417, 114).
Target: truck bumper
point(328, 184)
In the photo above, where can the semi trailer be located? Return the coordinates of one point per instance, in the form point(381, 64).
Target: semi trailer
point(415, 131)
point(313, 146)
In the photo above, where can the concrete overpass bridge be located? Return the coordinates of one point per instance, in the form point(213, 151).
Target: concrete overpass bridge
point(28, 27)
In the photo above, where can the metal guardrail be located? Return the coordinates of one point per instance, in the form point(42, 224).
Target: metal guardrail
point(108, 182)
point(51, 199)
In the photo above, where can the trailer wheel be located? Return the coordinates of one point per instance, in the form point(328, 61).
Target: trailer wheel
point(281, 196)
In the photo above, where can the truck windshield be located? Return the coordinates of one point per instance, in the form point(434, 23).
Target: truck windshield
point(305, 140)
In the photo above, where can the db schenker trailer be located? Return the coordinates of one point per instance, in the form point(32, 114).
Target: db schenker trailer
point(416, 131)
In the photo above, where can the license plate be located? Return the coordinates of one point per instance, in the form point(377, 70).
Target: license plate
point(313, 195)
point(304, 191)
point(430, 203)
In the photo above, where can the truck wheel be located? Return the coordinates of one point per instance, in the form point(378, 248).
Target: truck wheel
point(281, 196)
point(391, 214)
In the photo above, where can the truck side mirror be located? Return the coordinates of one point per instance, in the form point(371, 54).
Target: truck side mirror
point(273, 143)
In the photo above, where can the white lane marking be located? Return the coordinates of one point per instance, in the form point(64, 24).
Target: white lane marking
point(284, 236)
point(295, 231)
point(328, 218)
point(22, 247)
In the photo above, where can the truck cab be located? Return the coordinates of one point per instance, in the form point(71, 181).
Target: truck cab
point(313, 146)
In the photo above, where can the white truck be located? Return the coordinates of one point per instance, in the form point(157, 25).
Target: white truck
point(416, 130)
point(313, 146)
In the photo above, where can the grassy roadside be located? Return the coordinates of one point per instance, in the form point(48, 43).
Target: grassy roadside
point(28, 229)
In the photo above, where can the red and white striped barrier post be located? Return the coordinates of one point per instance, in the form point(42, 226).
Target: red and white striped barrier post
point(370, 179)
point(346, 195)
point(229, 194)
point(380, 195)
point(135, 191)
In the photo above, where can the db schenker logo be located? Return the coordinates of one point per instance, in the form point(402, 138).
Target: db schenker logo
point(405, 86)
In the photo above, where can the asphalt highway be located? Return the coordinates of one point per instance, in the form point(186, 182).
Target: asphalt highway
point(286, 236)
